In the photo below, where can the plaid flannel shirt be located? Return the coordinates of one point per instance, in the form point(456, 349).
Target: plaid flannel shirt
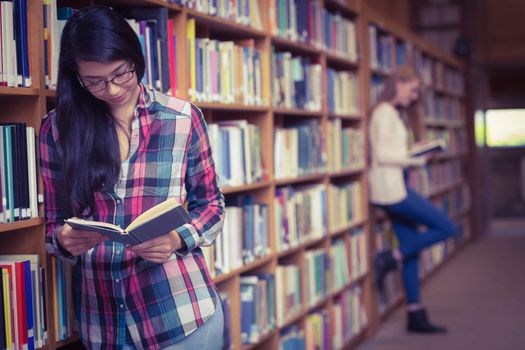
point(114, 290)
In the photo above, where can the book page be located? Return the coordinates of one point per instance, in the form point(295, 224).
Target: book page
point(95, 224)
point(153, 212)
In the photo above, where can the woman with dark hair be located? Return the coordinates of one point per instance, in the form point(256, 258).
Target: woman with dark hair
point(109, 151)
point(406, 209)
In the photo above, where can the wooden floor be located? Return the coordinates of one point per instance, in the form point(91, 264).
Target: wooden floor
point(479, 296)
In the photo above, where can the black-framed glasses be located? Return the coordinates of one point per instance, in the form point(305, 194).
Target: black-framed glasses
point(118, 79)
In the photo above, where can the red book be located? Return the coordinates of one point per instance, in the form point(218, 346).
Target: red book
point(172, 58)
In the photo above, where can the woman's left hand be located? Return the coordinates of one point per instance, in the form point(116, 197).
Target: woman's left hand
point(159, 250)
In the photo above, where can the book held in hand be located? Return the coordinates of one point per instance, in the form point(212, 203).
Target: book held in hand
point(427, 147)
point(154, 222)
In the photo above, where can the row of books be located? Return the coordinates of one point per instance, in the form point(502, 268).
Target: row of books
point(349, 316)
point(317, 330)
point(455, 139)
point(297, 20)
point(317, 272)
point(348, 265)
point(442, 108)
point(447, 78)
point(377, 84)
point(342, 92)
point(435, 177)
point(244, 12)
point(257, 306)
point(243, 239)
point(154, 31)
point(18, 172)
point(381, 49)
point(300, 215)
point(64, 317)
point(345, 147)
point(346, 204)
point(435, 73)
point(298, 149)
point(236, 147)
point(288, 287)
point(323, 330)
point(22, 302)
point(340, 36)
point(455, 202)
point(296, 82)
point(224, 71)
point(14, 44)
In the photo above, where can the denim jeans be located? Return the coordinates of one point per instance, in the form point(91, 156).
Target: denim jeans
point(206, 337)
point(406, 216)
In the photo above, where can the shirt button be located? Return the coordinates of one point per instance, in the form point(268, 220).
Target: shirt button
point(121, 306)
point(117, 252)
point(117, 280)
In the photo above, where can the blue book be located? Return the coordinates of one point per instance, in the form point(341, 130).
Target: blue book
point(28, 286)
point(157, 18)
point(247, 309)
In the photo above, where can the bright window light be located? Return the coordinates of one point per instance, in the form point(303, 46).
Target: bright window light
point(505, 128)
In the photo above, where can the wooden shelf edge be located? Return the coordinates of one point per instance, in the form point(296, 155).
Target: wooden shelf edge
point(225, 24)
point(245, 268)
point(297, 112)
point(231, 107)
point(18, 225)
point(295, 46)
point(350, 226)
point(245, 188)
point(296, 180)
point(348, 172)
point(261, 339)
point(18, 91)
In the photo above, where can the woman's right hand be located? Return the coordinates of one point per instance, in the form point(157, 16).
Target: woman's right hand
point(78, 242)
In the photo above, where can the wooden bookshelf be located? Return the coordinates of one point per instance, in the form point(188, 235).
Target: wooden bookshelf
point(428, 123)
point(30, 104)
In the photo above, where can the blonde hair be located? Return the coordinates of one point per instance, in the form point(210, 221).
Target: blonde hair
point(402, 74)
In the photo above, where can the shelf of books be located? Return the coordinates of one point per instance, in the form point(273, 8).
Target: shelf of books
point(284, 86)
point(444, 179)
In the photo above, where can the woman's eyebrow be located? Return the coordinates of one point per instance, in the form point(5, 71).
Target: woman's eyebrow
point(113, 72)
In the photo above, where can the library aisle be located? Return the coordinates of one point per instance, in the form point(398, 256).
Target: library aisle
point(479, 295)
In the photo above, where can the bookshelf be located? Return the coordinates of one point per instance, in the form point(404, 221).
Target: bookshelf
point(443, 107)
point(344, 67)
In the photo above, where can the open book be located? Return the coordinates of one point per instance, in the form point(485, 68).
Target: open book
point(427, 147)
point(154, 222)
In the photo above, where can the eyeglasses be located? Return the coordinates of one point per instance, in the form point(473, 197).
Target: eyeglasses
point(118, 79)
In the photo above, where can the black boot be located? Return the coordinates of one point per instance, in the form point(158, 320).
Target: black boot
point(418, 323)
point(384, 262)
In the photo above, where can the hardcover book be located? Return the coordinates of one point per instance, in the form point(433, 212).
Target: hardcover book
point(154, 222)
point(427, 147)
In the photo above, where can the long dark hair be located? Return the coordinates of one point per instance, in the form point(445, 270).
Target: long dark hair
point(87, 133)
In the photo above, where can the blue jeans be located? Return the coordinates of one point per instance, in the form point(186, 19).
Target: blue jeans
point(406, 216)
point(207, 337)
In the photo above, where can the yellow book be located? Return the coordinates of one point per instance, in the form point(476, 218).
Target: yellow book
point(7, 309)
point(190, 36)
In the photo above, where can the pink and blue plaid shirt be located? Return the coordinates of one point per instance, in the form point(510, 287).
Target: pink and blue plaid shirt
point(114, 290)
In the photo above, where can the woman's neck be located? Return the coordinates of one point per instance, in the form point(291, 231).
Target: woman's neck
point(124, 114)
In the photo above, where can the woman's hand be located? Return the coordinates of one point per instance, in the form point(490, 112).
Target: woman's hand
point(78, 242)
point(159, 250)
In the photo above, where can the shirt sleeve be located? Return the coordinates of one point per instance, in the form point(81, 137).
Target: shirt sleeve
point(204, 198)
point(50, 169)
point(383, 130)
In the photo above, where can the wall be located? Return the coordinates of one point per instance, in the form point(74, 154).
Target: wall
point(396, 10)
point(505, 183)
